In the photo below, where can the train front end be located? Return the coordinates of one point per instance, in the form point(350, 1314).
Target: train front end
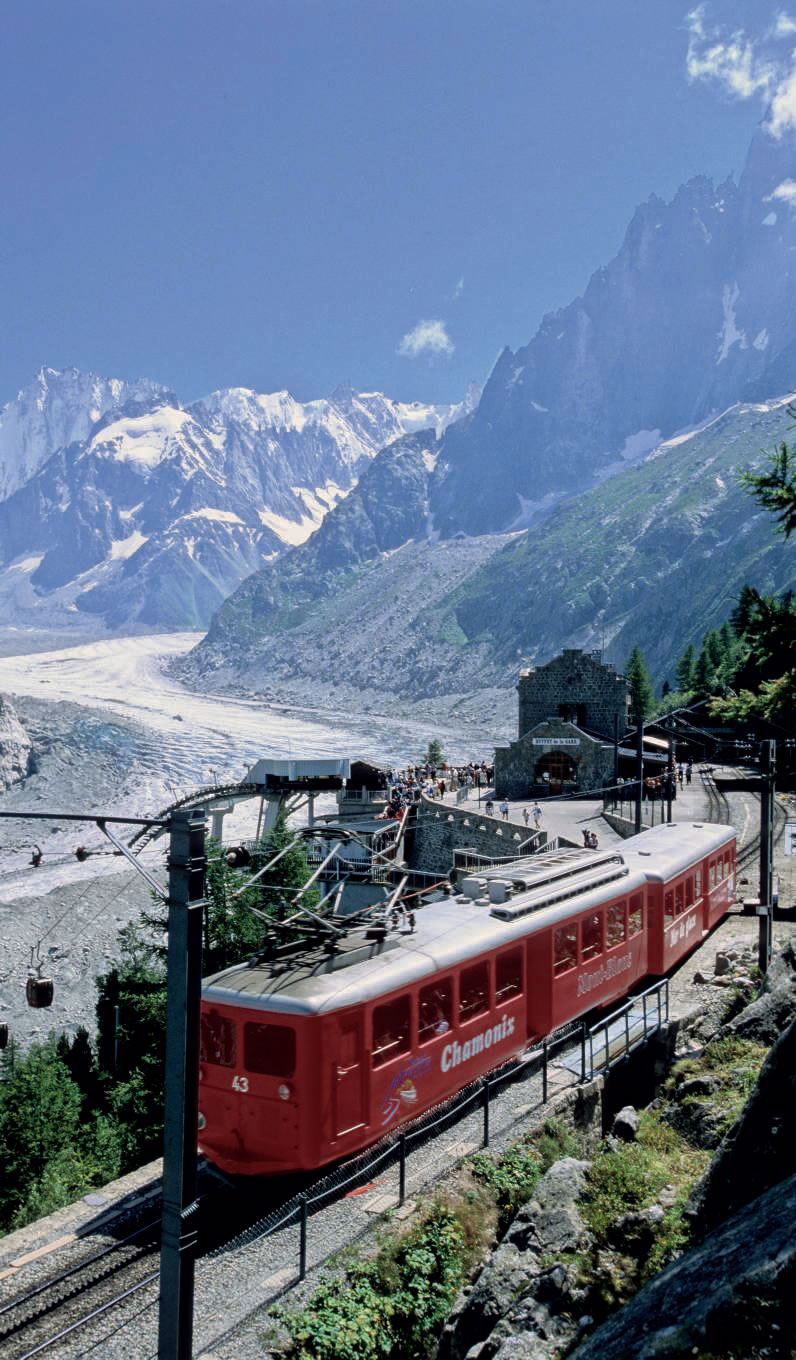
point(250, 1088)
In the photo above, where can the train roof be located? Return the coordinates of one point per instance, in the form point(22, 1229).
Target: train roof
point(667, 850)
point(544, 890)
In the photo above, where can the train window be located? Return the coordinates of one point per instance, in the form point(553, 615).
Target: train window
point(635, 919)
point(436, 1009)
point(508, 976)
point(270, 1049)
point(678, 899)
point(614, 924)
point(217, 1039)
point(668, 903)
point(713, 874)
point(390, 1030)
point(698, 882)
point(565, 949)
point(473, 992)
point(592, 936)
point(689, 892)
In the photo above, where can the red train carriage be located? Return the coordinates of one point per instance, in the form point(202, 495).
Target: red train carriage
point(308, 1058)
point(690, 871)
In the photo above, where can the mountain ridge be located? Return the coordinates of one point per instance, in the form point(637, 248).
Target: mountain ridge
point(153, 512)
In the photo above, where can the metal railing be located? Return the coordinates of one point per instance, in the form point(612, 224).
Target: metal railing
point(601, 1046)
point(611, 1040)
point(467, 857)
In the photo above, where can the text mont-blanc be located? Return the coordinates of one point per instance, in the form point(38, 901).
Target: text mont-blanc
point(610, 969)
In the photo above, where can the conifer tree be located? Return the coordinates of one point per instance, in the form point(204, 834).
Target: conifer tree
point(705, 675)
point(776, 488)
point(434, 753)
point(685, 671)
point(39, 1116)
point(640, 685)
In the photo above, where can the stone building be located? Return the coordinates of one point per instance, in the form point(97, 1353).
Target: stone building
point(577, 688)
point(572, 711)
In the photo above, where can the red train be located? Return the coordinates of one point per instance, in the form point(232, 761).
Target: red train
point(308, 1058)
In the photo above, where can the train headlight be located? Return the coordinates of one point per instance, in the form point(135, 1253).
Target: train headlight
point(284, 1092)
point(201, 1122)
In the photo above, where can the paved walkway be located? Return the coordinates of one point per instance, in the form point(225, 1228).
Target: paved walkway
point(569, 817)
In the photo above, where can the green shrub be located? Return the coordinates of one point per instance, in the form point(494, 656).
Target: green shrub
point(514, 1175)
point(392, 1306)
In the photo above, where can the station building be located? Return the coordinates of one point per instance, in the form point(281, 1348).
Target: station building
point(573, 715)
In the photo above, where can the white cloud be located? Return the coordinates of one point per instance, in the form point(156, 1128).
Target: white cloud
point(459, 289)
point(745, 67)
point(786, 191)
point(428, 337)
point(783, 106)
point(783, 26)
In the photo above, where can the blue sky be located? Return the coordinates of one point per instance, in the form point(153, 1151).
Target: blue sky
point(243, 192)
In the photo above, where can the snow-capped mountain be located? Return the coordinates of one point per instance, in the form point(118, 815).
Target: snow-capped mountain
point(57, 409)
point(129, 509)
point(654, 556)
point(695, 312)
point(695, 316)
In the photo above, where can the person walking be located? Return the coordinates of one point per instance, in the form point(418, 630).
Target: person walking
point(537, 815)
point(526, 816)
point(504, 810)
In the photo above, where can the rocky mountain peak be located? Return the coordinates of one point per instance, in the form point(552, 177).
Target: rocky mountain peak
point(696, 310)
point(58, 408)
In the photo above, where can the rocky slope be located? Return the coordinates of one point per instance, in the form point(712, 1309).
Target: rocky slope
point(655, 555)
point(694, 317)
point(729, 1294)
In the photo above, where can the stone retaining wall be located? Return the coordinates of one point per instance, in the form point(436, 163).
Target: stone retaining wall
point(443, 828)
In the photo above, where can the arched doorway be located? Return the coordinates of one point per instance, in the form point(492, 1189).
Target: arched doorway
point(555, 770)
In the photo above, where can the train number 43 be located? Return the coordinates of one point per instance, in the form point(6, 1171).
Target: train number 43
point(240, 1083)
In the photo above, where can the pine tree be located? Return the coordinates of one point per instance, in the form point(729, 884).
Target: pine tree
point(232, 933)
point(776, 488)
point(280, 884)
point(705, 679)
point(685, 671)
point(39, 1116)
point(640, 685)
point(434, 754)
point(711, 643)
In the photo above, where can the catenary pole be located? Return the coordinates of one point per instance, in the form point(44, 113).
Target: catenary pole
point(639, 770)
point(187, 863)
point(766, 896)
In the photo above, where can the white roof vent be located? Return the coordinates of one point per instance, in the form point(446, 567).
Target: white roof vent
point(500, 890)
point(473, 887)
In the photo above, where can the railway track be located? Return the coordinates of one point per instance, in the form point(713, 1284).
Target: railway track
point(34, 1321)
point(69, 1306)
point(719, 811)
